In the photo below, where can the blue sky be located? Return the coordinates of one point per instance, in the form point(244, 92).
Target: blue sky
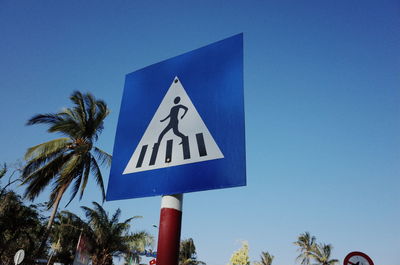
point(321, 100)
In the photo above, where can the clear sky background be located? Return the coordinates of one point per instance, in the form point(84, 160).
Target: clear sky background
point(322, 110)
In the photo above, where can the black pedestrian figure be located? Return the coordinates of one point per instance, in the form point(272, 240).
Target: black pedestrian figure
point(173, 120)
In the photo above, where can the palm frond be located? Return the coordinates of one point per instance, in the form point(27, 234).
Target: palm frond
point(40, 178)
point(102, 113)
point(47, 148)
point(100, 210)
point(93, 217)
point(120, 228)
point(102, 156)
point(71, 171)
point(69, 114)
point(70, 166)
point(98, 176)
point(140, 240)
point(35, 163)
point(266, 258)
point(90, 103)
point(68, 127)
point(132, 218)
point(78, 100)
point(75, 188)
point(48, 118)
point(63, 182)
point(70, 216)
point(321, 254)
point(86, 173)
point(115, 217)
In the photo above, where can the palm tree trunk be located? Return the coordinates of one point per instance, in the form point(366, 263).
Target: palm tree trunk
point(51, 220)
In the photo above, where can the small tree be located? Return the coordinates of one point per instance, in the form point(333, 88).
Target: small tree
point(322, 254)
point(107, 236)
point(306, 244)
point(65, 235)
point(21, 226)
point(138, 243)
point(187, 253)
point(241, 256)
point(266, 259)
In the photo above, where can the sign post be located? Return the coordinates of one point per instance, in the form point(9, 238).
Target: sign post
point(181, 129)
point(169, 229)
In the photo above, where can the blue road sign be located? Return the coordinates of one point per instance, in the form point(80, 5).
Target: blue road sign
point(181, 125)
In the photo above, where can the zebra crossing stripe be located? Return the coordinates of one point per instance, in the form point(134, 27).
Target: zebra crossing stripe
point(168, 154)
point(154, 154)
point(201, 145)
point(141, 157)
point(186, 148)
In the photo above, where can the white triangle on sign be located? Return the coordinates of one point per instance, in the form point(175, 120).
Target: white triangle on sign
point(175, 136)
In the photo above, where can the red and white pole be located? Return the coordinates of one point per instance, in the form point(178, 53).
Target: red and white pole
point(169, 233)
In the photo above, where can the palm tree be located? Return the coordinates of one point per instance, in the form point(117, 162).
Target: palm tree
point(70, 159)
point(266, 259)
point(66, 231)
point(322, 254)
point(138, 243)
point(306, 244)
point(187, 253)
point(107, 236)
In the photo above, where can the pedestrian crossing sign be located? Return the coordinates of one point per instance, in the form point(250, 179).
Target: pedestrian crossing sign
point(194, 145)
point(181, 125)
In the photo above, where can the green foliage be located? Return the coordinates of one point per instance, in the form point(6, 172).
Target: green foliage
point(241, 256)
point(306, 244)
point(107, 236)
point(322, 254)
point(138, 243)
point(187, 253)
point(67, 161)
point(21, 227)
point(311, 250)
point(65, 236)
point(266, 259)
point(71, 159)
